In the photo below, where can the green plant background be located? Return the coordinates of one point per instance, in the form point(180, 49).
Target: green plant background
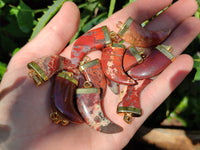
point(21, 20)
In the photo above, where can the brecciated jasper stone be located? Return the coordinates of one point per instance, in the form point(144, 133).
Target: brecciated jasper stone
point(112, 57)
point(45, 67)
point(89, 105)
point(95, 39)
point(155, 63)
point(94, 74)
point(130, 102)
point(63, 93)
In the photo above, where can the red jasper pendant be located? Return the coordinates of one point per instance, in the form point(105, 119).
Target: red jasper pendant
point(134, 34)
point(89, 105)
point(131, 58)
point(155, 63)
point(112, 64)
point(130, 101)
point(94, 74)
point(95, 39)
point(44, 68)
point(63, 93)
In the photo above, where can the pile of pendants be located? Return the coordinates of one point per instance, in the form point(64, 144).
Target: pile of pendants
point(131, 57)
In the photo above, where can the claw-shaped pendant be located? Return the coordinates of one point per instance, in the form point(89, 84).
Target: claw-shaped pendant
point(131, 58)
point(94, 74)
point(155, 63)
point(44, 68)
point(89, 105)
point(130, 102)
point(112, 64)
point(134, 34)
point(95, 39)
point(63, 93)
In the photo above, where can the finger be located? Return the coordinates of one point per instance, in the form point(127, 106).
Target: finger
point(140, 10)
point(156, 92)
point(55, 35)
point(183, 35)
point(174, 15)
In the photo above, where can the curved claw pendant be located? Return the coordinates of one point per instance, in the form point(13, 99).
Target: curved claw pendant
point(63, 93)
point(89, 105)
point(155, 63)
point(112, 64)
point(44, 68)
point(136, 35)
point(95, 39)
point(131, 58)
point(94, 74)
point(130, 102)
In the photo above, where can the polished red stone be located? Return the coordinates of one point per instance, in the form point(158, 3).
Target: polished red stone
point(130, 102)
point(95, 75)
point(54, 63)
point(112, 65)
point(63, 93)
point(155, 63)
point(89, 105)
point(141, 37)
point(90, 41)
point(129, 60)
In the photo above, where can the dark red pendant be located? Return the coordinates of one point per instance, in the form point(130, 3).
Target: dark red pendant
point(111, 60)
point(89, 105)
point(130, 101)
point(154, 64)
point(134, 34)
point(95, 39)
point(63, 96)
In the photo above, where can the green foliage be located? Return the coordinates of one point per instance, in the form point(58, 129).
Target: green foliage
point(21, 20)
point(2, 69)
point(47, 16)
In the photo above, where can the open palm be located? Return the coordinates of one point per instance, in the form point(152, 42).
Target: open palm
point(25, 108)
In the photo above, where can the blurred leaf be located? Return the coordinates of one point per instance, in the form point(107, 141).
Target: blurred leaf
point(197, 67)
point(15, 51)
point(14, 11)
point(112, 7)
point(94, 21)
point(87, 13)
point(2, 4)
point(47, 16)
point(25, 17)
point(2, 69)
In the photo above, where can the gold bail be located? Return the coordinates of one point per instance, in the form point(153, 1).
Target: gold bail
point(166, 50)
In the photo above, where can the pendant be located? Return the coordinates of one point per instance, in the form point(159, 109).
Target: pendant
point(63, 96)
point(134, 34)
point(131, 58)
point(92, 40)
point(111, 61)
point(130, 100)
point(93, 73)
point(155, 63)
point(44, 68)
point(89, 105)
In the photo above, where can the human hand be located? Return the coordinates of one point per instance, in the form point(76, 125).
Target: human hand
point(24, 108)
